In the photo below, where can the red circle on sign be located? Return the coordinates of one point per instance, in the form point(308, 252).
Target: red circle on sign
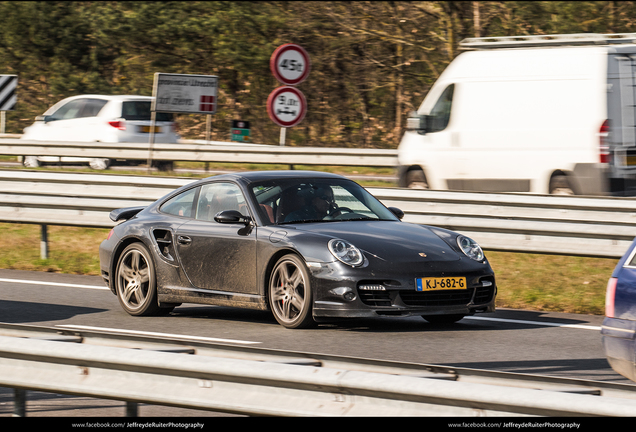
point(281, 66)
point(290, 111)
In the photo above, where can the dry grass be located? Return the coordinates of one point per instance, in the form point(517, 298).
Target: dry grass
point(72, 250)
point(551, 282)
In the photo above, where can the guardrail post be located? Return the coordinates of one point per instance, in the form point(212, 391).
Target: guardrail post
point(44, 242)
point(19, 403)
point(132, 409)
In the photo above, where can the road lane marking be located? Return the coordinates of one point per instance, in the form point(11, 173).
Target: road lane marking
point(539, 323)
point(55, 284)
point(144, 333)
point(512, 321)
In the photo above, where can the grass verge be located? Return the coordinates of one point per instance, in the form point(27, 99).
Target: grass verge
point(525, 281)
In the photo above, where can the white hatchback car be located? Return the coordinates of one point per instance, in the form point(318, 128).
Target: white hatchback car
point(99, 118)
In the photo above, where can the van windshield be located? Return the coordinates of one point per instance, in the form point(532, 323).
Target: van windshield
point(442, 110)
point(140, 110)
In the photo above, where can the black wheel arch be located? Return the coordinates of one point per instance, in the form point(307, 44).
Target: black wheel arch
point(568, 176)
point(267, 274)
point(403, 172)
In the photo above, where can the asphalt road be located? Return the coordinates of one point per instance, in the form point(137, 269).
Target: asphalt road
point(555, 344)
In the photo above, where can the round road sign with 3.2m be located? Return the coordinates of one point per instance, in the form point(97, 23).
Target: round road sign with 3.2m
point(286, 106)
point(290, 64)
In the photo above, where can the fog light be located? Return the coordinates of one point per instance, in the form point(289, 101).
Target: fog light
point(344, 292)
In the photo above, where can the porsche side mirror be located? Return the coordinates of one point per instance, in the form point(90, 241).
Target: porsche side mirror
point(397, 212)
point(232, 216)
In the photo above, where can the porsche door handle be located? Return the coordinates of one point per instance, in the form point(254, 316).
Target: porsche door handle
point(184, 240)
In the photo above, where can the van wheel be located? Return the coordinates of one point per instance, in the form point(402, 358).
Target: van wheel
point(415, 179)
point(559, 185)
point(164, 166)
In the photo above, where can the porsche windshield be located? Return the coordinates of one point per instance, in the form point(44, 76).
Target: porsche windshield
point(317, 200)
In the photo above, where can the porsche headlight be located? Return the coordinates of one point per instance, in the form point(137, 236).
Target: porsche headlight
point(470, 248)
point(345, 252)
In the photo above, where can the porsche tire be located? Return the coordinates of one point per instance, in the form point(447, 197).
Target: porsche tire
point(290, 296)
point(136, 283)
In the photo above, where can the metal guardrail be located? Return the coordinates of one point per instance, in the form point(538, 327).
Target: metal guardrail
point(256, 381)
point(567, 225)
point(213, 152)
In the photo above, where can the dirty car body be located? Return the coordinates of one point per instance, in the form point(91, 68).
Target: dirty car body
point(248, 240)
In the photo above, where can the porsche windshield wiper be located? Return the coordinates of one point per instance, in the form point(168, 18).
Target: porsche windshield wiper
point(305, 221)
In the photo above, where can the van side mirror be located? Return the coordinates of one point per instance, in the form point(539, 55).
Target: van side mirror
point(417, 122)
point(43, 118)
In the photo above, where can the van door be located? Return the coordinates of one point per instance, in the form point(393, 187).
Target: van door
point(621, 116)
point(442, 143)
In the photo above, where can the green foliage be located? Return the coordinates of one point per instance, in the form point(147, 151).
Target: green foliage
point(372, 62)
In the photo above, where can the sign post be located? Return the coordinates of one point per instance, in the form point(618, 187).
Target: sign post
point(286, 105)
point(8, 97)
point(179, 93)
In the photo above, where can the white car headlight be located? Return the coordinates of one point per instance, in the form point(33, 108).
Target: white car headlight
point(346, 252)
point(470, 248)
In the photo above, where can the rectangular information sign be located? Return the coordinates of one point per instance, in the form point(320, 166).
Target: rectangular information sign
point(179, 93)
point(240, 131)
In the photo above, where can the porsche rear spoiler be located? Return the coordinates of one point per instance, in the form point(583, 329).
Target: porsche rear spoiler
point(123, 214)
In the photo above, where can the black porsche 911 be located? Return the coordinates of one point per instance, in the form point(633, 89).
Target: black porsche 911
point(308, 246)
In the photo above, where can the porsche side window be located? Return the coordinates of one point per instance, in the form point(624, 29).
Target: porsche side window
point(181, 205)
point(217, 197)
point(441, 112)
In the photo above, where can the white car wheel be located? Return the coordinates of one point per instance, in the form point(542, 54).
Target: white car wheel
point(99, 164)
point(31, 162)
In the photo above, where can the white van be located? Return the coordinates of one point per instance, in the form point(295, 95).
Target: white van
point(541, 114)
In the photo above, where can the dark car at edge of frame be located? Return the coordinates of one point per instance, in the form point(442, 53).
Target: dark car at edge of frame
point(619, 326)
point(308, 246)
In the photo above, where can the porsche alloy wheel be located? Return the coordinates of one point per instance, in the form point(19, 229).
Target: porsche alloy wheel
point(290, 293)
point(135, 281)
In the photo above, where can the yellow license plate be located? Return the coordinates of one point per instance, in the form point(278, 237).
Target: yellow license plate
point(630, 160)
point(146, 129)
point(443, 283)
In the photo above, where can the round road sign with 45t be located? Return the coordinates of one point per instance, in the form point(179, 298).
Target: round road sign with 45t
point(290, 64)
point(286, 106)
